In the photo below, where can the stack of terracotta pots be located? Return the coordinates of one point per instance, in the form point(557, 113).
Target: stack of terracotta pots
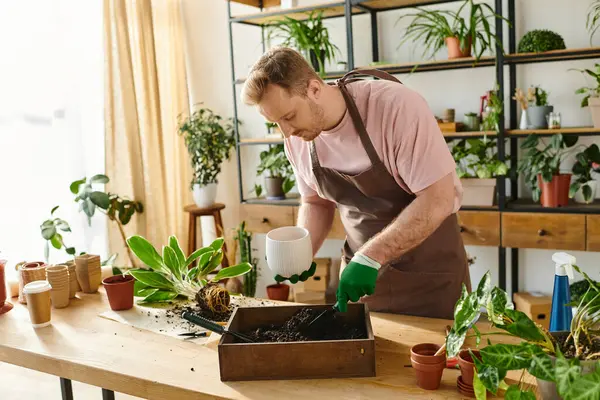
point(28, 272)
point(89, 272)
point(58, 277)
point(467, 368)
point(428, 367)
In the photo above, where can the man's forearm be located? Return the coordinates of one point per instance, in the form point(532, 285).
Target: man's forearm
point(317, 217)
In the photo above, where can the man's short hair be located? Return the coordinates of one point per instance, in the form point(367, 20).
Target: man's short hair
point(279, 66)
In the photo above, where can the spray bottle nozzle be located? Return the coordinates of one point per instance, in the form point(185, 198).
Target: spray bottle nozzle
point(564, 264)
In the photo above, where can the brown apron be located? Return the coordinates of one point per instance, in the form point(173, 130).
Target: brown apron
point(426, 281)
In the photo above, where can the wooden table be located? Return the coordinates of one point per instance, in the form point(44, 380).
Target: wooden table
point(81, 346)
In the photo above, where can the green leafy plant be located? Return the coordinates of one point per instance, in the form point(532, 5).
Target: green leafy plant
point(580, 289)
point(308, 36)
point(50, 231)
point(172, 274)
point(588, 160)
point(589, 91)
point(209, 139)
point(432, 27)
point(491, 120)
point(537, 96)
point(478, 158)
point(244, 240)
point(118, 209)
point(541, 40)
point(540, 353)
point(275, 164)
point(544, 162)
point(592, 22)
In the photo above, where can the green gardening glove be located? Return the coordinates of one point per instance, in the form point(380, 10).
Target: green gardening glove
point(358, 279)
point(295, 278)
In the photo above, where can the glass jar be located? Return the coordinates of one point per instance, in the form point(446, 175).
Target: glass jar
point(553, 120)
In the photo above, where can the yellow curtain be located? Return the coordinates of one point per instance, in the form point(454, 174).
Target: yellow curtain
point(146, 93)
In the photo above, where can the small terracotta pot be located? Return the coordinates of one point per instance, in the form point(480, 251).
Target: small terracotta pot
point(424, 353)
point(279, 291)
point(556, 192)
point(428, 376)
point(466, 365)
point(119, 290)
point(454, 50)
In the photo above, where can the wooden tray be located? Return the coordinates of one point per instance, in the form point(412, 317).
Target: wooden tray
point(294, 360)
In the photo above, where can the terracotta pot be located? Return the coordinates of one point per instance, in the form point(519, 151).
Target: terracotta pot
point(279, 291)
point(119, 290)
point(466, 365)
point(454, 50)
point(423, 353)
point(556, 192)
point(428, 376)
point(4, 305)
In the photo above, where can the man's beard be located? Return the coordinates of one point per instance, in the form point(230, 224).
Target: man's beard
point(318, 116)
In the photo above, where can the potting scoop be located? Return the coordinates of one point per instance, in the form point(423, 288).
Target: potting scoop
point(205, 323)
point(328, 311)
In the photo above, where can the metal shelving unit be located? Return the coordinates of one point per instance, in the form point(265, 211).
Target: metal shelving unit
point(347, 9)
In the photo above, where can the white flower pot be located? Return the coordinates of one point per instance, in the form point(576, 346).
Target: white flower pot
point(289, 250)
point(204, 196)
point(478, 192)
point(594, 105)
point(579, 195)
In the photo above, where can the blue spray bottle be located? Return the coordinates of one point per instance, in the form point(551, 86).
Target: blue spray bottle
point(561, 314)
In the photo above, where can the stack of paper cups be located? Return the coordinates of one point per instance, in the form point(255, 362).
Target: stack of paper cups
point(58, 277)
point(30, 272)
point(89, 273)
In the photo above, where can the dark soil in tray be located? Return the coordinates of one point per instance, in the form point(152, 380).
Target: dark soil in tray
point(568, 348)
point(295, 329)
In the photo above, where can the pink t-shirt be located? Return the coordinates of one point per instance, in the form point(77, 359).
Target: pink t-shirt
point(401, 127)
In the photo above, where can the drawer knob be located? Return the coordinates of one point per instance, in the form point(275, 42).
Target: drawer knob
point(542, 232)
point(462, 229)
point(265, 220)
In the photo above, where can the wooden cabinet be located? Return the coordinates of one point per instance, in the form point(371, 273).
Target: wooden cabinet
point(593, 233)
point(543, 231)
point(480, 228)
point(263, 218)
point(337, 228)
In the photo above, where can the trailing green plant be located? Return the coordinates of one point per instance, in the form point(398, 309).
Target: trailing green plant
point(172, 274)
point(541, 40)
point(244, 239)
point(308, 36)
point(432, 27)
point(118, 209)
point(589, 91)
point(545, 161)
point(587, 161)
point(478, 158)
point(540, 353)
point(275, 164)
point(209, 139)
point(592, 22)
point(491, 120)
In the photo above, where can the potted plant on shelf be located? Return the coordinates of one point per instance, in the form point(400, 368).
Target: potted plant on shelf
point(308, 36)
point(209, 139)
point(592, 94)
point(280, 175)
point(477, 166)
point(471, 121)
point(461, 36)
point(583, 187)
point(538, 108)
point(541, 168)
point(541, 40)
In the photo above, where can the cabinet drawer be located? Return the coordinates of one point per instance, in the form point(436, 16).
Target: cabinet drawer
point(593, 233)
point(480, 228)
point(263, 218)
point(543, 231)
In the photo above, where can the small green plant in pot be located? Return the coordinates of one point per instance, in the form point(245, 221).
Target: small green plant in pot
point(538, 108)
point(591, 94)
point(471, 121)
point(541, 168)
point(477, 166)
point(462, 36)
point(280, 175)
point(209, 139)
point(541, 40)
point(583, 187)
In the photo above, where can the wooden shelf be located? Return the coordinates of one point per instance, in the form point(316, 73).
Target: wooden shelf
point(468, 134)
point(265, 140)
point(293, 199)
point(458, 63)
point(383, 5)
point(528, 205)
point(556, 55)
point(256, 3)
point(330, 10)
point(585, 130)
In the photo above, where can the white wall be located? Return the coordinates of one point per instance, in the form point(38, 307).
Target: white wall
point(210, 82)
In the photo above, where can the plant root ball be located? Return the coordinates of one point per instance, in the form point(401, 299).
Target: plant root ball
point(213, 298)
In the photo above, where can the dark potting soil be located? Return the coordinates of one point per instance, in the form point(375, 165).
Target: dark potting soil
point(295, 329)
point(568, 347)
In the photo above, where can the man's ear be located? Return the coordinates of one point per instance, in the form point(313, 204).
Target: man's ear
point(314, 89)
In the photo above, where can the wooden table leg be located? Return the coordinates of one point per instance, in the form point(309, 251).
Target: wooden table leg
point(66, 389)
point(221, 232)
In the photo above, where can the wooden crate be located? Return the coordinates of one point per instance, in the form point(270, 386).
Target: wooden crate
point(535, 307)
point(295, 360)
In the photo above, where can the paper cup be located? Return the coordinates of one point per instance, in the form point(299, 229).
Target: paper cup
point(289, 250)
point(38, 302)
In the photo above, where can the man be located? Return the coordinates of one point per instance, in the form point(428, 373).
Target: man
point(373, 149)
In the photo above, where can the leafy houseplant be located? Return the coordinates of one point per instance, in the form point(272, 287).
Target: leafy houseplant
point(592, 93)
point(538, 108)
point(493, 113)
point(209, 139)
point(436, 28)
point(49, 229)
point(553, 358)
point(541, 40)
point(309, 36)
point(280, 175)
point(593, 19)
point(583, 188)
point(541, 168)
point(169, 275)
point(477, 166)
point(244, 239)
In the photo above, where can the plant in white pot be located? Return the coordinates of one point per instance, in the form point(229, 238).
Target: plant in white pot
point(209, 139)
point(591, 93)
point(477, 166)
point(583, 187)
point(280, 176)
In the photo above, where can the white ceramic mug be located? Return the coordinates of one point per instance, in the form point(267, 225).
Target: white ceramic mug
point(289, 250)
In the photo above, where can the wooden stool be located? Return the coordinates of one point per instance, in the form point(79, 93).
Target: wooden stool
point(195, 212)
